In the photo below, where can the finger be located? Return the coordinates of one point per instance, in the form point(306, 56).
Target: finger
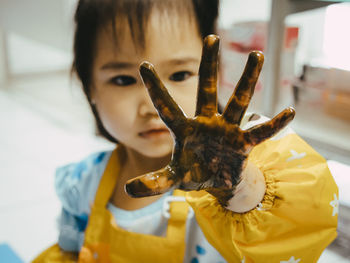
point(239, 101)
point(207, 97)
point(168, 110)
point(261, 132)
point(153, 183)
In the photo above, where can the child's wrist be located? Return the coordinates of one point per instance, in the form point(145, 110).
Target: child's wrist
point(249, 192)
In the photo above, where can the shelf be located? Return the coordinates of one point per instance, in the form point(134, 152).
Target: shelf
point(279, 11)
point(297, 6)
point(330, 136)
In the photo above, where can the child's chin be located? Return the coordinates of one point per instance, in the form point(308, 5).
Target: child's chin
point(158, 151)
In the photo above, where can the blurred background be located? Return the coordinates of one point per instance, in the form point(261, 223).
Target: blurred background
point(46, 122)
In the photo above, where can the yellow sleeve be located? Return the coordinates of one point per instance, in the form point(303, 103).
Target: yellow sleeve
point(297, 218)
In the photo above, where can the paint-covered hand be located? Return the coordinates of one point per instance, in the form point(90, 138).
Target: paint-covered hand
point(210, 149)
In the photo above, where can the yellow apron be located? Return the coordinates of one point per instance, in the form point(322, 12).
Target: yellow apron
point(106, 242)
point(55, 255)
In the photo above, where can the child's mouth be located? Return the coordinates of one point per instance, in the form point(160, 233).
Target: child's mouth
point(154, 133)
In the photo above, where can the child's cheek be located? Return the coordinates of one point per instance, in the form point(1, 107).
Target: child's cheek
point(190, 96)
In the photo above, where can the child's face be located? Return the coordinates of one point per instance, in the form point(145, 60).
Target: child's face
point(123, 104)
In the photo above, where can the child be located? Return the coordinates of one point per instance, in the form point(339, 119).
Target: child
point(277, 205)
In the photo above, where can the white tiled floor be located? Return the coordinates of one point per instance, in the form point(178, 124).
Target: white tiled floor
point(45, 122)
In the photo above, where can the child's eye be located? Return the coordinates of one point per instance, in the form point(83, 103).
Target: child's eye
point(123, 80)
point(180, 76)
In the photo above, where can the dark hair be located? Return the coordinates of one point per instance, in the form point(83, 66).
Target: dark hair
point(93, 15)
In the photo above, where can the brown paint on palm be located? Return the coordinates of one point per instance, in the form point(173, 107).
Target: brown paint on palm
point(210, 149)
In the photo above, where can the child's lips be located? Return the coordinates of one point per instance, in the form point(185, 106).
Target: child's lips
point(154, 133)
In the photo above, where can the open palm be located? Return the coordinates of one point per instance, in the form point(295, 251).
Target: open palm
point(210, 149)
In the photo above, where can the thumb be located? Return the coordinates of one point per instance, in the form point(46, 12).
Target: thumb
point(150, 184)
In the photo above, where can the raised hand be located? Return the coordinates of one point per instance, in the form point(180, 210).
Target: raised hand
point(210, 149)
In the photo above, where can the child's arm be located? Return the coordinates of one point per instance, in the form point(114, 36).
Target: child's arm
point(297, 217)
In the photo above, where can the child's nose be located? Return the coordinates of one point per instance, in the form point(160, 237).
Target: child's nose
point(146, 107)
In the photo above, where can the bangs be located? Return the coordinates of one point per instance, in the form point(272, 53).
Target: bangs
point(134, 16)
